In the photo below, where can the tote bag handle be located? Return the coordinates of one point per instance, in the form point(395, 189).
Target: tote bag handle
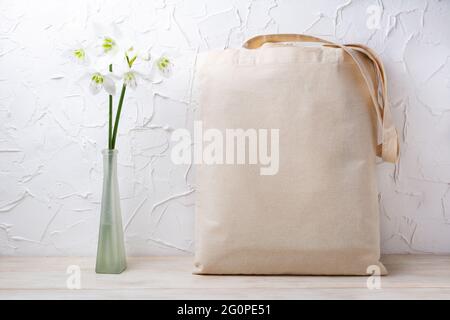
point(388, 149)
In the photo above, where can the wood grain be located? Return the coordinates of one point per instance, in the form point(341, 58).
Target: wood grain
point(410, 277)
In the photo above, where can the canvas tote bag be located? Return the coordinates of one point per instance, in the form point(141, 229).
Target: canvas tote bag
point(318, 215)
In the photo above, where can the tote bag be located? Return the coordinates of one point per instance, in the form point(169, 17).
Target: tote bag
point(316, 211)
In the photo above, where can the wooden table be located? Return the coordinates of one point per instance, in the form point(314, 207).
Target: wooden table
point(411, 277)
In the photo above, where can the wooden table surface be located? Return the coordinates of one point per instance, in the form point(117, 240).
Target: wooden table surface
point(410, 277)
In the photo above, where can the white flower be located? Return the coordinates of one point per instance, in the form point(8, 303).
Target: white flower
point(80, 56)
point(133, 68)
point(164, 65)
point(109, 45)
point(100, 77)
point(130, 79)
point(118, 58)
point(78, 53)
point(112, 42)
point(133, 76)
point(108, 39)
point(101, 81)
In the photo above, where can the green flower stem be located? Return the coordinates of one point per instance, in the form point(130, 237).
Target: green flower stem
point(119, 111)
point(110, 116)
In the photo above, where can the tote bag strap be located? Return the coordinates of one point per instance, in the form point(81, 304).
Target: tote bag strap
point(388, 150)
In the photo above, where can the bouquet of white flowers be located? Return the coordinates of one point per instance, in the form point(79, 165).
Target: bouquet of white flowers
point(111, 59)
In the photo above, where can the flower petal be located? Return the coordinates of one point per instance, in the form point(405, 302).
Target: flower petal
point(94, 87)
point(109, 85)
point(155, 76)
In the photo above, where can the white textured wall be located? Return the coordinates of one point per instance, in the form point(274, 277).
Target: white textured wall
point(52, 131)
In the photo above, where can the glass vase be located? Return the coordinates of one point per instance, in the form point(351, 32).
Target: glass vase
point(111, 257)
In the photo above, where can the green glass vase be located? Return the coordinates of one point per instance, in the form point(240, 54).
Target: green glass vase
point(111, 257)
